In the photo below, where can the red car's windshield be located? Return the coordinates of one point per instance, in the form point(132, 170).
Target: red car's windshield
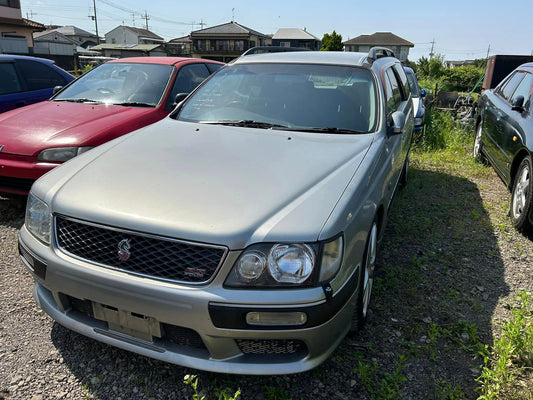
point(120, 83)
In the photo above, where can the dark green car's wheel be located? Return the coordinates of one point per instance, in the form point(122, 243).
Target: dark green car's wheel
point(477, 151)
point(521, 200)
point(366, 280)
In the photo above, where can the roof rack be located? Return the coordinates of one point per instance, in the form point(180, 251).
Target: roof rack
point(272, 49)
point(379, 52)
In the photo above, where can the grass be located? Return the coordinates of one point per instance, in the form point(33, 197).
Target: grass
point(508, 369)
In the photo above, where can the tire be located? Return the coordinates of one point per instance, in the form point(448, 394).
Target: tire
point(366, 280)
point(477, 151)
point(521, 199)
point(405, 171)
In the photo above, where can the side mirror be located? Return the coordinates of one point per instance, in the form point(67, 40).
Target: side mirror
point(56, 89)
point(518, 104)
point(180, 97)
point(397, 122)
point(423, 93)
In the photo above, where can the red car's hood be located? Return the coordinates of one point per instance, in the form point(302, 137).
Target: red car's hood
point(48, 124)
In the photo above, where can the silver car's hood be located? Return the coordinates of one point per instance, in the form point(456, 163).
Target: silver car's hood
point(216, 184)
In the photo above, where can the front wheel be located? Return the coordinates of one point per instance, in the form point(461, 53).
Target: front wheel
point(366, 280)
point(521, 200)
point(477, 151)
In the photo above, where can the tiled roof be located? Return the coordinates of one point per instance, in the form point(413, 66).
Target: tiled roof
point(71, 30)
point(22, 22)
point(230, 28)
point(379, 39)
point(293, 34)
point(144, 33)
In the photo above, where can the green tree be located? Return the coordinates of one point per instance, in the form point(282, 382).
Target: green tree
point(332, 42)
point(432, 68)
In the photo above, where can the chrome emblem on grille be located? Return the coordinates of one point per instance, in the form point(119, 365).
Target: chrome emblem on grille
point(124, 250)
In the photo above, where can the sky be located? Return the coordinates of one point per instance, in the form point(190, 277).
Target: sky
point(458, 30)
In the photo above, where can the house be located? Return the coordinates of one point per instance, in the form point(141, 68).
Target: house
point(226, 41)
point(79, 36)
point(180, 47)
point(53, 42)
point(130, 50)
point(131, 35)
point(453, 64)
point(363, 43)
point(16, 33)
point(295, 37)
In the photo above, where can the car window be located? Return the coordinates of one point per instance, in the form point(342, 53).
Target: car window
point(508, 88)
point(9, 81)
point(39, 76)
point(412, 85)
point(402, 80)
point(523, 90)
point(394, 97)
point(189, 76)
point(292, 95)
point(120, 83)
point(213, 67)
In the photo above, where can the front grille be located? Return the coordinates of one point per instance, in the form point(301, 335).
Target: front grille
point(15, 184)
point(131, 252)
point(271, 346)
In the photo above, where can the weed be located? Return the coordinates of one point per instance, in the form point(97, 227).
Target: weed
point(448, 391)
point(275, 393)
point(379, 384)
point(508, 370)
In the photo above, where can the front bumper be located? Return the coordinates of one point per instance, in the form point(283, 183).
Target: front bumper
point(17, 173)
point(182, 324)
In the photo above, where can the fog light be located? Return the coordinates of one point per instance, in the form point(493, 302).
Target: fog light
point(276, 318)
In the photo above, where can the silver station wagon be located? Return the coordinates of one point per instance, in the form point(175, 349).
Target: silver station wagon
point(239, 234)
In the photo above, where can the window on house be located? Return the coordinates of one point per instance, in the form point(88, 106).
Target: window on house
point(239, 45)
point(285, 44)
point(10, 3)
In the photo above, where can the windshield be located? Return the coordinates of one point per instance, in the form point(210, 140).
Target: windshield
point(120, 83)
point(329, 98)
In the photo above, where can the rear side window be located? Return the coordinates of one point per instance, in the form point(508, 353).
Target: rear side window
point(39, 76)
point(9, 81)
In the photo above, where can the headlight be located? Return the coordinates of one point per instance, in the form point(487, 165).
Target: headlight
point(291, 263)
point(331, 259)
point(286, 264)
point(60, 154)
point(38, 219)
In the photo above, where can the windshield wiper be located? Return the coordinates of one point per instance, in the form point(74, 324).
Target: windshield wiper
point(246, 123)
point(330, 129)
point(79, 101)
point(134, 104)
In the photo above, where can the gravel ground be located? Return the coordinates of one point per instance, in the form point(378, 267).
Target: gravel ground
point(449, 266)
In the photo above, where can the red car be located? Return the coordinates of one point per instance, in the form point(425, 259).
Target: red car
point(111, 100)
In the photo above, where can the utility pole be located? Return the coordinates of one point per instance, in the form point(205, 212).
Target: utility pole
point(432, 47)
point(488, 51)
point(95, 23)
point(202, 23)
point(232, 15)
point(146, 18)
